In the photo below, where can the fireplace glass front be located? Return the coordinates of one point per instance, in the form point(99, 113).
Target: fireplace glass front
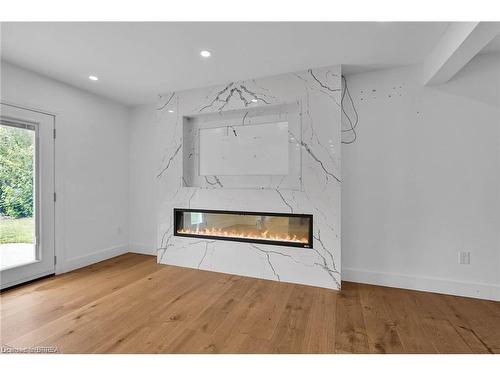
point(259, 227)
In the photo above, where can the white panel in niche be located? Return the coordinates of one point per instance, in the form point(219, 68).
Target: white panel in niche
point(244, 150)
point(289, 112)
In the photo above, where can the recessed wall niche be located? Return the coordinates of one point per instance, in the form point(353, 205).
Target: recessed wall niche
point(250, 148)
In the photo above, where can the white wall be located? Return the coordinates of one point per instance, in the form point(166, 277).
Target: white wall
point(92, 171)
point(422, 181)
point(143, 161)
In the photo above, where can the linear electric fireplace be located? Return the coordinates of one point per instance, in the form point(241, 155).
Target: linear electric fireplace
point(259, 227)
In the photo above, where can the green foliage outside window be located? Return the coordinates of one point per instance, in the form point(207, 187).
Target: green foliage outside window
point(16, 172)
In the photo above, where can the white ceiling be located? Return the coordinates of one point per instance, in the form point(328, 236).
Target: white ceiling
point(136, 61)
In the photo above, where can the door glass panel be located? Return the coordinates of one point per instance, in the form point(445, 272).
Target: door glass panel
point(17, 195)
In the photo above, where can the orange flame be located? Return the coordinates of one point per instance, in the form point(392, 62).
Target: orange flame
point(218, 232)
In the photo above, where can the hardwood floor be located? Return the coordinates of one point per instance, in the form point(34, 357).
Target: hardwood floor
point(130, 304)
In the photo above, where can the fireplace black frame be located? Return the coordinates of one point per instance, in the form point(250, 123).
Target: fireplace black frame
point(178, 211)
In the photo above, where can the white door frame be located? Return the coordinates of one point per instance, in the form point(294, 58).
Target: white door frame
point(47, 266)
point(59, 239)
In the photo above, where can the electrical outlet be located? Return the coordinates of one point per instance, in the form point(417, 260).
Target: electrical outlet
point(464, 257)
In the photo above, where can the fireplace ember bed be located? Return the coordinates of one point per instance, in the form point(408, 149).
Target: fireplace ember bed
point(271, 228)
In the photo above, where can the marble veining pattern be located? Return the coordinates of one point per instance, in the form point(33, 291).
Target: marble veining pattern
point(310, 102)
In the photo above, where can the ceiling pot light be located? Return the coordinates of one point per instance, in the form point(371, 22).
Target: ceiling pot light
point(93, 78)
point(205, 53)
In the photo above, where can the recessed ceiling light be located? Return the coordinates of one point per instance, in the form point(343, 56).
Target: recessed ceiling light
point(171, 111)
point(93, 78)
point(205, 53)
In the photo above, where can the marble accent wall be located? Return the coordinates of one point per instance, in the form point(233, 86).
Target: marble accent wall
point(310, 102)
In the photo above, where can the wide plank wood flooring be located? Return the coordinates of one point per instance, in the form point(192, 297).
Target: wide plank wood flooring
point(130, 304)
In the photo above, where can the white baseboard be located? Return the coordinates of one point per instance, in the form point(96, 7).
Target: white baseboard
point(139, 248)
point(88, 259)
point(426, 284)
